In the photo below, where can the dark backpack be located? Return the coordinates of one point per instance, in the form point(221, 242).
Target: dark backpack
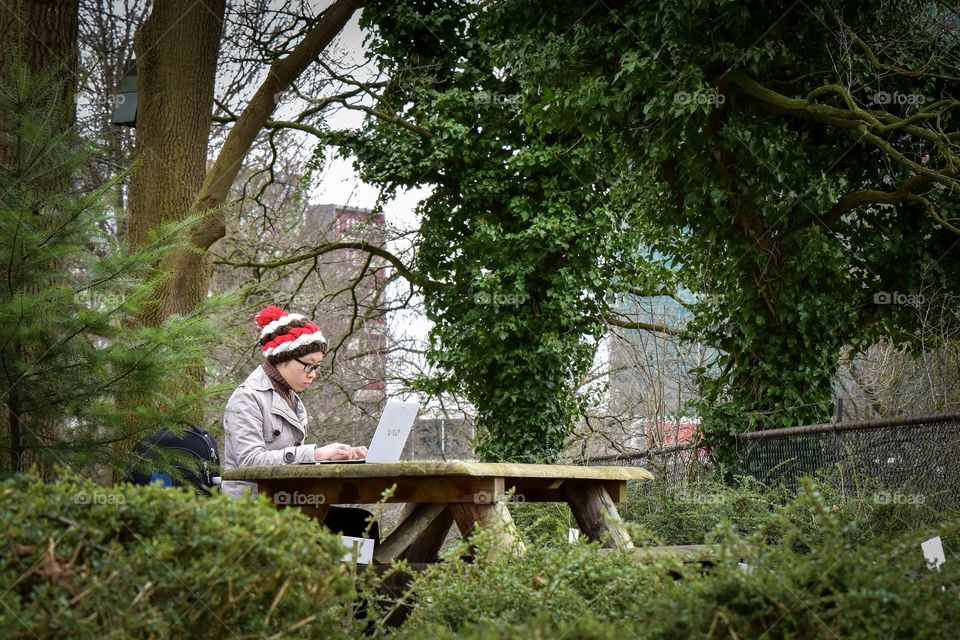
point(198, 454)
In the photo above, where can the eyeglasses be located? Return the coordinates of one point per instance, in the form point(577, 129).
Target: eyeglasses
point(307, 367)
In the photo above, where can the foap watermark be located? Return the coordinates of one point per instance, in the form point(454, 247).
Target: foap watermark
point(895, 297)
point(298, 499)
point(885, 497)
point(489, 497)
point(697, 497)
point(114, 100)
point(85, 497)
point(885, 97)
point(711, 98)
point(492, 97)
point(504, 299)
point(95, 300)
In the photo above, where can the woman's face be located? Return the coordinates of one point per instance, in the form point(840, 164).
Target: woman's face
point(300, 372)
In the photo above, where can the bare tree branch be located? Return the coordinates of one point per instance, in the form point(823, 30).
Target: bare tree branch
point(372, 249)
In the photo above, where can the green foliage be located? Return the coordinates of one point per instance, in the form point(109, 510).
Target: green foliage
point(589, 150)
point(70, 297)
point(671, 515)
point(556, 585)
point(80, 561)
point(525, 248)
point(83, 561)
point(835, 583)
point(543, 524)
point(737, 196)
point(663, 514)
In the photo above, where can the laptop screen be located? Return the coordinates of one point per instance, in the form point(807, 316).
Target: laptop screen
point(391, 434)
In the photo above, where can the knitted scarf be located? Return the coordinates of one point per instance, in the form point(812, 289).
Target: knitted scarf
point(279, 384)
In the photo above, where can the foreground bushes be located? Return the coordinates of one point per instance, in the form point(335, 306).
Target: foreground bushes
point(78, 561)
point(671, 515)
point(808, 574)
point(665, 514)
point(662, 514)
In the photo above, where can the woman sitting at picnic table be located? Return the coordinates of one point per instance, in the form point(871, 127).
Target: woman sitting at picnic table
point(266, 422)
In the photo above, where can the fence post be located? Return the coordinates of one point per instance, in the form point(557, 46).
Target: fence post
point(836, 450)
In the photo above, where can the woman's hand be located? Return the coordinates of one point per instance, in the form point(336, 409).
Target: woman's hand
point(338, 451)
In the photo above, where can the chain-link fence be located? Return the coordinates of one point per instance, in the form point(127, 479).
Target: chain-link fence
point(676, 465)
point(906, 459)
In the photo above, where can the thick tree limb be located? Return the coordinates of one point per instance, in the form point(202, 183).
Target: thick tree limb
point(851, 117)
point(863, 198)
point(871, 124)
point(251, 121)
point(656, 327)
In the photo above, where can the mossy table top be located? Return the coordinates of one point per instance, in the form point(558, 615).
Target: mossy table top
point(437, 482)
point(438, 468)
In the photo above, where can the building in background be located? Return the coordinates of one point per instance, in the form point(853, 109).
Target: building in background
point(346, 292)
point(350, 286)
point(441, 435)
point(650, 383)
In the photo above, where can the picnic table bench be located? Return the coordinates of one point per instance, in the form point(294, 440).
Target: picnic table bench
point(438, 494)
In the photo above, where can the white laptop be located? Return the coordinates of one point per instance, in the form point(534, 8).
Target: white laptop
point(391, 434)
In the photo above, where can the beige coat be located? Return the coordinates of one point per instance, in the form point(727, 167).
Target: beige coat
point(260, 429)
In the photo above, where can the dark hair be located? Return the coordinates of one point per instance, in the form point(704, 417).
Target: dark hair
point(299, 352)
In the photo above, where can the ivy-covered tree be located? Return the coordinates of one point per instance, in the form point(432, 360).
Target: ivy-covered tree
point(519, 245)
point(68, 299)
point(792, 162)
point(795, 163)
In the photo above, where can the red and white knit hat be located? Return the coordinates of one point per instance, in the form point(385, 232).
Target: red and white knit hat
point(281, 332)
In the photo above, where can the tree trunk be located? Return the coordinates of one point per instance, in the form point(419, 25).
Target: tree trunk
point(282, 74)
point(176, 51)
point(177, 60)
point(170, 180)
point(41, 35)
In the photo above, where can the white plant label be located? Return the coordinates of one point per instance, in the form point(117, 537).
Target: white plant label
point(933, 552)
point(360, 550)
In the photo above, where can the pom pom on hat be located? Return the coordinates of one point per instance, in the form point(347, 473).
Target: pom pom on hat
point(268, 315)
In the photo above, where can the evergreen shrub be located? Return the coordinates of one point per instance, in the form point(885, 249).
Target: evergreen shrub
point(80, 561)
point(807, 570)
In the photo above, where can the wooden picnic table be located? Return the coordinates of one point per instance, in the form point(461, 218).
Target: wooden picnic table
point(439, 493)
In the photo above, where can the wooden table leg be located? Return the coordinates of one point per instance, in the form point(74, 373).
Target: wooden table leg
point(597, 515)
point(418, 537)
point(494, 518)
